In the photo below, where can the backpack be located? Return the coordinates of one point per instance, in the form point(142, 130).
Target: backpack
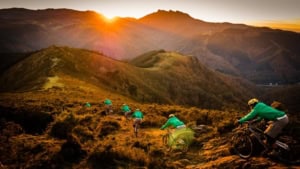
point(279, 106)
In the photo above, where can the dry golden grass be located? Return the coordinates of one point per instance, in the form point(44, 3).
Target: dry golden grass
point(98, 141)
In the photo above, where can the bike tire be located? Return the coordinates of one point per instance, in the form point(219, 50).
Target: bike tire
point(242, 145)
point(290, 157)
point(182, 145)
point(165, 139)
point(136, 130)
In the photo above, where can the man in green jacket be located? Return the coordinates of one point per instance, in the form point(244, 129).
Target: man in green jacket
point(137, 117)
point(181, 134)
point(261, 111)
point(108, 106)
point(126, 110)
point(87, 104)
point(173, 122)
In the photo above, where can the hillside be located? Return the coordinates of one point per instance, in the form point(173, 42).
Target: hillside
point(261, 55)
point(50, 129)
point(290, 95)
point(43, 123)
point(168, 77)
point(265, 51)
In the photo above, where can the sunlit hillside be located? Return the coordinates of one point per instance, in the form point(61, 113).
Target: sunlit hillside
point(42, 113)
point(168, 77)
point(50, 128)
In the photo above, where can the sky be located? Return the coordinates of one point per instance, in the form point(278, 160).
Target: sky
point(285, 13)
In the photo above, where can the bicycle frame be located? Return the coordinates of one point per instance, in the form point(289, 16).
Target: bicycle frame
point(282, 145)
point(243, 144)
point(259, 133)
point(174, 143)
point(136, 127)
point(137, 124)
point(167, 137)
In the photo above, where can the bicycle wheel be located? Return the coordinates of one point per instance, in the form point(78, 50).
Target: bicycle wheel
point(136, 130)
point(165, 139)
point(291, 156)
point(181, 144)
point(242, 145)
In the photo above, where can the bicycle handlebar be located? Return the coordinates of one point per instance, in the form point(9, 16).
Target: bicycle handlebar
point(250, 122)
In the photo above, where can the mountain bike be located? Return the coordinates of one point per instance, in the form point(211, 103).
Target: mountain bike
point(108, 109)
point(136, 126)
point(247, 135)
point(175, 143)
point(127, 115)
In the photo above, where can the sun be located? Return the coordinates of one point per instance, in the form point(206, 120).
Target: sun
point(110, 19)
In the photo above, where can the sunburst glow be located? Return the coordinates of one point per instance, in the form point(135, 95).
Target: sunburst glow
point(110, 19)
point(292, 25)
point(233, 11)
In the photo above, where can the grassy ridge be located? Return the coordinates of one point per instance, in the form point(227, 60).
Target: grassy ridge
point(160, 77)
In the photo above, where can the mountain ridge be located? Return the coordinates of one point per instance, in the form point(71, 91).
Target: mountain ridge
point(173, 79)
point(224, 47)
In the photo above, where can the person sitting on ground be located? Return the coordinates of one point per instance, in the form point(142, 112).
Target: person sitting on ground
point(277, 119)
point(126, 110)
point(174, 122)
point(137, 117)
point(108, 106)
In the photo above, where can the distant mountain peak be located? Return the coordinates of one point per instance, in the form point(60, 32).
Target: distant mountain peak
point(172, 12)
point(168, 14)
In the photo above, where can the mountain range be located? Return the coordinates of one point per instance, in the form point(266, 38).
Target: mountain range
point(54, 61)
point(261, 55)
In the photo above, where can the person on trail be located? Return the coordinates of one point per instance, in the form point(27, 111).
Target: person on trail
point(277, 119)
point(87, 104)
point(181, 134)
point(137, 117)
point(84, 108)
point(174, 122)
point(108, 106)
point(126, 110)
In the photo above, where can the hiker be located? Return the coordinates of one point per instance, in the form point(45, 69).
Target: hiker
point(277, 119)
point(108, 106)
point(126, 110)
point(174, 122)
